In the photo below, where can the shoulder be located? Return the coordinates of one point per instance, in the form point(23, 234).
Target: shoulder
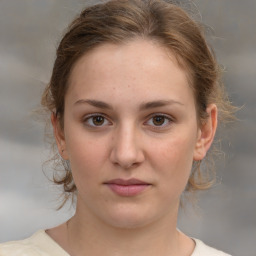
point(202, 249)
point(39, 244)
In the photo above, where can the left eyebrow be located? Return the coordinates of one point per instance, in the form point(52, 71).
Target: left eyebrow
point(159, 103)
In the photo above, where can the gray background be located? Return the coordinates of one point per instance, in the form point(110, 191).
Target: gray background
point(29, 31)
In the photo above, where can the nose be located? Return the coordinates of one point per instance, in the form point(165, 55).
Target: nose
point(126, 151)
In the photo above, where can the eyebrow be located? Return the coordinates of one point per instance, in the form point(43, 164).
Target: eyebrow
point(158, 103)
point(95, 103)
point(143, 106)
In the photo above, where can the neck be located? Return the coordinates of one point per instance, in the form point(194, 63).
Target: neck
point(90, 235)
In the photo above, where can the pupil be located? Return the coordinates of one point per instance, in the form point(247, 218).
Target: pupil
point(98, 120)
point(158, 120)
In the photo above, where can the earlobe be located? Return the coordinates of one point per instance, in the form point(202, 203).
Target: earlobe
point(59, 136)
point(206, 133)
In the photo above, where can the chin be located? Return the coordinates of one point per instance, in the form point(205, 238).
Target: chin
point(129, 217)
point(128, 223)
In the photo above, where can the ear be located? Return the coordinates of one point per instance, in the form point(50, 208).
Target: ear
point(59, 136)
point(206, 133)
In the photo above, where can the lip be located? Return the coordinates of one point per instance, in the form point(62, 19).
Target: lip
point(130, 187)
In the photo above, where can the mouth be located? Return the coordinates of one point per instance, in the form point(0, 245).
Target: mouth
point(127, 188)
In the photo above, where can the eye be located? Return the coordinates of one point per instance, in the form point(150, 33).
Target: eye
point(96, 120)
point(159, 120)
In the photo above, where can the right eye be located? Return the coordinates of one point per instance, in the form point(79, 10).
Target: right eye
point(96, 120)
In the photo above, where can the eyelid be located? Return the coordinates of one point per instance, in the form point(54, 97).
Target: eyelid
point(166, 116)
point(149, 117)
point(87, 117)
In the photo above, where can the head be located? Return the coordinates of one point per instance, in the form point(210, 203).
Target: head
point(159, 23)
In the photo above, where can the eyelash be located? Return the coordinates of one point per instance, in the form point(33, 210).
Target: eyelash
point(89, 118)
point(167, 121)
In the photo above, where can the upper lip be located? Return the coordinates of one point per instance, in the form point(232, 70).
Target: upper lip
point(128, 182)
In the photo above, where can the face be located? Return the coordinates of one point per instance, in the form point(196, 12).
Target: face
point(130, 133)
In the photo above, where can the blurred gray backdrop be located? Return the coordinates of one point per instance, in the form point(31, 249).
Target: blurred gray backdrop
point(29, 31)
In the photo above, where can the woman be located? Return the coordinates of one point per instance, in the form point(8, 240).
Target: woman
point(134, 99)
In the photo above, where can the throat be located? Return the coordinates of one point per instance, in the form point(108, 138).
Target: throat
point(122, 242)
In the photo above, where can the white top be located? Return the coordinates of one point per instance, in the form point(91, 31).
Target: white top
point(41, 244)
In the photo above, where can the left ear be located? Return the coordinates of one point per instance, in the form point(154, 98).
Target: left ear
point(206, 133)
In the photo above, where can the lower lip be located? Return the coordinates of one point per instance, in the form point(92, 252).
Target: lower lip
point(129, 190)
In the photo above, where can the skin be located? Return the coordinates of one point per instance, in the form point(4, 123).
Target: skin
point(144, 127)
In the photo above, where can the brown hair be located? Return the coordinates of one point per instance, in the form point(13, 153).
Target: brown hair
point(118, 21)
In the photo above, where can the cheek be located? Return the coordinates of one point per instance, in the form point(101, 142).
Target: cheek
point(174, 158)
point(86, 156)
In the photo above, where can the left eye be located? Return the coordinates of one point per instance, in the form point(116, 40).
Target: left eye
point(159, 120)
point(96, 121)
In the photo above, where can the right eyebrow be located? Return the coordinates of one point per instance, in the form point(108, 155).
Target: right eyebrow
point(94, 103)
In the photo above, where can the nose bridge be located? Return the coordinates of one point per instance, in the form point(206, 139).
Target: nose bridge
point(126, 147)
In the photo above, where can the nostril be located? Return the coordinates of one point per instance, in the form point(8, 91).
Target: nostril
point(126, 150)
point(126, 160)
point(131, 165)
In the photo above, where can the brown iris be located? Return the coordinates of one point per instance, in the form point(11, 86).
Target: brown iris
point(98, 120)
point(158, 120)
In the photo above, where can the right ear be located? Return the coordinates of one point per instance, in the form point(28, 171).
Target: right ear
point(59, 136)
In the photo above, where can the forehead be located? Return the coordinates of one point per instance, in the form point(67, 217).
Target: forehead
point(140, 65)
